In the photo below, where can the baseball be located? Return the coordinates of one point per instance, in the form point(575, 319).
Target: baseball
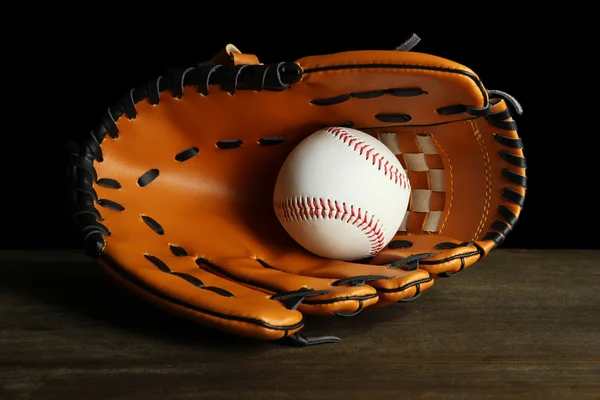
point(341, 194)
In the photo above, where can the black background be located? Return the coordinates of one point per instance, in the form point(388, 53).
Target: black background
point(72, 71)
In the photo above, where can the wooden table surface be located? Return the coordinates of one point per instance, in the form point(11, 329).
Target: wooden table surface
point(522, 324)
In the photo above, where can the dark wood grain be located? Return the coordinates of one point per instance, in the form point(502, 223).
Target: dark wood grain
point(519, 325)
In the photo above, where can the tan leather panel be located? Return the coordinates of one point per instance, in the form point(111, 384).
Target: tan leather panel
point(418, 179)
point(438, 201)
point(466, 177)
point(209, 320)
point(177, 287)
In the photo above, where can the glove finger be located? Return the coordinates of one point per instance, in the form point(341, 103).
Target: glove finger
point(179, 286)
point(327, 297)
point(440, 256)
point(392, 284)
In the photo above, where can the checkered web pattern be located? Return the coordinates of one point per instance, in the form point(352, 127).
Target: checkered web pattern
point(424, 165)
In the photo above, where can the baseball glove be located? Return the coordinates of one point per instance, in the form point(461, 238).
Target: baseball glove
point(173, 189)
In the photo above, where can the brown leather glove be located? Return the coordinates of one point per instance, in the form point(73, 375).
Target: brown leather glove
point(173, 189)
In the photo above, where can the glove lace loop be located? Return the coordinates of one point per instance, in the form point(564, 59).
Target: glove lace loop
point(272, 77)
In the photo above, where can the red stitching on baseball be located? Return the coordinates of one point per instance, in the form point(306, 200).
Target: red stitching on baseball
point(389, 170)
point(302, 208)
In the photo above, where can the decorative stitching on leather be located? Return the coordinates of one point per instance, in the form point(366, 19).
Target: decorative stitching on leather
point(441, 229)
point(304, 208)
point(488, 179)
point(370, 153)
point(398, 92)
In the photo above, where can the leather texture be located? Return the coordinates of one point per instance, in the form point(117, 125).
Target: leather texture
point(198, 237)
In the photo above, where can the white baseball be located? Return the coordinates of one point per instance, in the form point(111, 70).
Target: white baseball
point(341, 194)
